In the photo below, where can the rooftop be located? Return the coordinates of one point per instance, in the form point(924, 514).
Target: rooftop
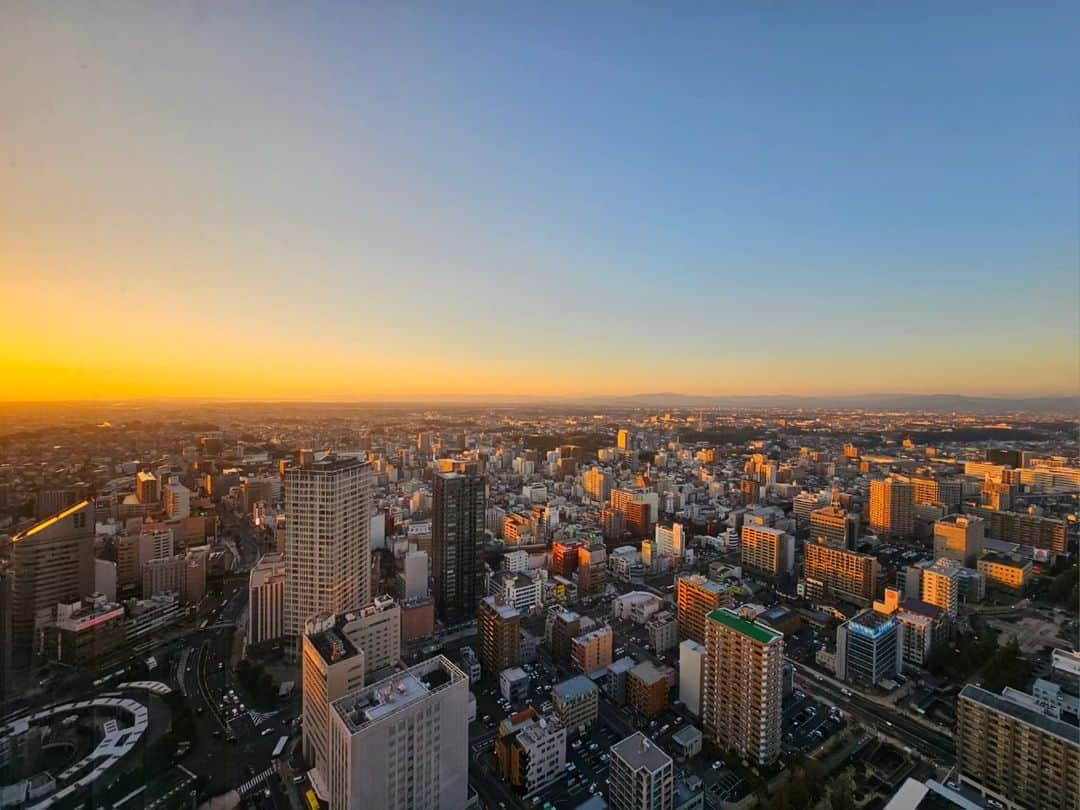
point(402, 689)
point(758, 632)
point(639, 752)
point(574, 688)
point(504, 610)
point(647, 672)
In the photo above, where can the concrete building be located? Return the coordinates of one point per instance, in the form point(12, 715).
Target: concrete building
point(647, 688)
point(892, 507)
point(743, 685)
point(1034, 531)
point(332, 666)
point(52, 562)
point(177, 501)
point(696, 597)
point(457, 528)
point(691, 675)
point(941, 585)
point(531, 751)
point(498, 626)
point(960, 538)
point(413, 580)
point(577, 702)
point(183, 575)
point(266, 599)
point(670, 542)
point(328, 543)
point(592, 569)
point(523, 591)
point(1015, 754)
point(767, 551)
point(834, 526)
point(636, 606)
point(597, 484)
point(403, 743)
point(1006, 572)
point(514, 684)
point(146, 488)
point(837, 573)
point(663, 632)
point(592, 651)
point(642, 776)
point(869, 648)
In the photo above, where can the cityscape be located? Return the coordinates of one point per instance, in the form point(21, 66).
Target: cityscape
point(534, 606)
point(539, 406)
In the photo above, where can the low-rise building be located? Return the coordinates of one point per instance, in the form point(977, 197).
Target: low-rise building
point(647, 688)
point(577, 702)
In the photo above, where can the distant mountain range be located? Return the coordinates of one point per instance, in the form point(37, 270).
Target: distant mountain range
point(936, 403)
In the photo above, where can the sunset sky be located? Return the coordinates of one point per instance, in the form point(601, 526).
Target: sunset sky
point(318, 201)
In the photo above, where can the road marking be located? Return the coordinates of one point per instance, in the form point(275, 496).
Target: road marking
point(254, 782)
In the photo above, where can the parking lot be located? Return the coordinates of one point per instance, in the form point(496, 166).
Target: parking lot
point(808, 722)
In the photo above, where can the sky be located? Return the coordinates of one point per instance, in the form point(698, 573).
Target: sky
point(328, 201)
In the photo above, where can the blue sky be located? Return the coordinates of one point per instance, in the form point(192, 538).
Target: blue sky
point(551, 199)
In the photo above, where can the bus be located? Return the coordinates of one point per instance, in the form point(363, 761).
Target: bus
point(279, 747)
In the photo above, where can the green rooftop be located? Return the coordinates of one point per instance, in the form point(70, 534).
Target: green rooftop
point(758, 632)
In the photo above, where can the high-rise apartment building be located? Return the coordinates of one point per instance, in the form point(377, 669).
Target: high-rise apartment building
point(696, 597)
point(936, 492)
point(1015, 754)
point(836, 573)
point(597, 484)
point(743, 685)
point(457, 528)
point(960, 538)
point(403, 743)
point(328, 507)
point(941, 585)
point(767, 551)
point(266, 599)
point(51, 562)
point(642, 776)
point(834, 526)
point(498, 626)
point(1034, 531)
point(892, 507)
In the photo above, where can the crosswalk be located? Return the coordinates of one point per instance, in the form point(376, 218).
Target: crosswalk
point(254, 782)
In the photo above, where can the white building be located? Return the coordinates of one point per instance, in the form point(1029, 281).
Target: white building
point(402, 743)
point(266, 599)
point(691, 675)
point(328, 546)
point(544, 745)
point(670, 542)
point(637, 606)
point(415, 579)
point(519, 590)
point(516, 561)
point(177, 501)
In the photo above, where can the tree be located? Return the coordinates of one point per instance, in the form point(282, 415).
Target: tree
point(842, 793)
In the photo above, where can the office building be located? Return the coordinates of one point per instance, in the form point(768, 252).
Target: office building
point(960, 538)
point(834, 526)
point(522, 591)
point(328, 538)
point(498, 626)
point(182, 575)
point(413, 580)
point(642, 776)
point(691, 675)
point(936, 492)
point(577, 702)
point(457, 528)
point(564, 558)
point(836, 573)
point(696, 597)
point(1015, 754)
point(767, 551)
point(892, 507)
point(403, 743)
point(592, 569)
point(639, 508)
point(647, 688)
point(804, 504)
point(743, 685)
point(565, 627)
point(869, 648)
point(332, 666)
point(52, 562)
point(266, 599)
point(592, 651)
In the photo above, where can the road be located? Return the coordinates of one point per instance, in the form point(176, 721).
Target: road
point(888, 721)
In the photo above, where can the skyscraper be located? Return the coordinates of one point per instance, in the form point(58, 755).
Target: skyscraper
point(402, 743)
point(457, 526)
point(51, 562)
point(743, 685)
point(328, 541)
point(892, 507)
